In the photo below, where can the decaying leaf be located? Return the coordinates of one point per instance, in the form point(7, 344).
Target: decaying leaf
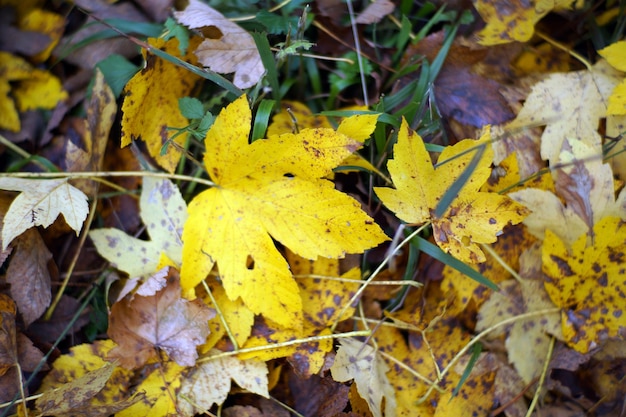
point(361, 363)
point(227, 48)
point(472, 218)
point(158, 87)
point(272, 187)
point(101, 112)
point(80, 361)
point(29, 276)
point(140, 325)
point(164, 213)
point(209, 382)
point(39, 204)
point(586, 280)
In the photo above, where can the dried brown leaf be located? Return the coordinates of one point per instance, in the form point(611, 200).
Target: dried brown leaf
point(165, 320)
point(29, 276)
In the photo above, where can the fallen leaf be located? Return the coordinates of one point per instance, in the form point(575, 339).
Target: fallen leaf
point(86, 358)
point(272, 187)
point(164, 213)
point(513, 21)
point(140, 325)
point(209, 382)
point(473, 217)
point(39, 204)
point(46, 22)
point(160, 386)
point(164, 83)
point(101, 112)
point(375, 12)
point(318, 396)
point(360, 362)
point(615, 54)
point(570, 105)
point(29, 276)
point(73, 395)
point(585, 282)
point(227, 48)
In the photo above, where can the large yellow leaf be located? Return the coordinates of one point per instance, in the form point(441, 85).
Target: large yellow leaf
point(587, 282)
point(151, 103)
point(271, 188)
point(473, 217)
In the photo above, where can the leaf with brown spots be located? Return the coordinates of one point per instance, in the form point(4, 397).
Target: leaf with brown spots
point(164, 213)
point(272, 189)
point(140, 325)
point(473, 217)
point(513, 20)
point(587, 282)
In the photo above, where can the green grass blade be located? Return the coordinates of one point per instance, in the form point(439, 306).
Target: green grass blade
point(476, 349)
point(267, 58)
point(436, 252)
point(452, 192)
point(262, 118)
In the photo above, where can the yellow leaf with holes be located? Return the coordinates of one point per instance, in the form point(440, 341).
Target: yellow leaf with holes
point(587, 282)
point(271, 189)
point(473, 217)
point(513, 21)
point(158, 87)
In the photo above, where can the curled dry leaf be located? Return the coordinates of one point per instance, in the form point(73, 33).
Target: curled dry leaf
point(227, 47)
point(166, 321)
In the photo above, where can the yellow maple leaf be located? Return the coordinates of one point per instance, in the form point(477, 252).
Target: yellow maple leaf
point(272, 188)
point(513, 21)
point(585, 282)
point(473, 217)
point(158, 88)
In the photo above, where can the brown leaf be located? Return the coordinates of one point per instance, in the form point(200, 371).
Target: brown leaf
point(50, 330)
point(8, 342)
point(165, 321)
point(227, 47)
point(318, 396)
point(29, 276)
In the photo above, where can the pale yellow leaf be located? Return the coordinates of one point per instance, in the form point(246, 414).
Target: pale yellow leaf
point(227, 47)
point(39, 204)
point(361, 363)
point(164, 213)
point(210, 382)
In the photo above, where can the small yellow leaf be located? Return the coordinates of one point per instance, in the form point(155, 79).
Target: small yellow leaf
point(9, 117)
point(617, 100)
point(473, 217)
point(513, 21)
point(48, 23)
point(158, 88)
point(272, 187)
point(41, 90)
point(586, 281)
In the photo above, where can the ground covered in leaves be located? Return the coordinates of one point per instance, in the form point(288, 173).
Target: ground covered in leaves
point(335, 209)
